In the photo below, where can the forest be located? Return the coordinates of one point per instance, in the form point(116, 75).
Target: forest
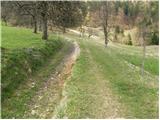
point(80, 59)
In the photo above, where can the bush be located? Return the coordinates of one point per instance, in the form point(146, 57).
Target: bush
point(154, 39)
point(122, 32)
point(19, 64)
point(117, 29)
point(115, 37)
point(129, 39)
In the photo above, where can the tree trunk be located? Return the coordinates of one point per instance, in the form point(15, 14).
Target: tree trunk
point(105, 11)
point(64, 30)
point(45, 28)
point(144, 55)
point(44, 20)
point(35, 26)
point(5, 21)
point(40, 26)
point(105, 35)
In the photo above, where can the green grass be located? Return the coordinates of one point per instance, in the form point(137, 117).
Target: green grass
point(150, 65)
point(99, 68)
point(14, 37)
point(101, 79)
point(17, 106)
point(138, 94)
point(23, 54)
point(134, 56)
point(19, 64)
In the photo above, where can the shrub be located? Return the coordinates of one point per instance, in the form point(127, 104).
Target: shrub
point(117, 29)
point(154, 39)
point(115, 37)
point(122, 32)
point(129, 39)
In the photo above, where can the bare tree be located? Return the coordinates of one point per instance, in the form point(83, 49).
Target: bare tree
point(67, 14)
point(30, 9)
point(144, 31)
point(43, 5)
point(105, 18)
point(143, 44)
point(6, 8)
point(105, 15)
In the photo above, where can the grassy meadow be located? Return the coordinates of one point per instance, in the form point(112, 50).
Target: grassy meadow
point(23, 54)
point(99, 69)
point(104, 83)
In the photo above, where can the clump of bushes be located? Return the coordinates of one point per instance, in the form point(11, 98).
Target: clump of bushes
point(154, 39)
point(129, 40)
point(122, 32)
point(19, 64)
point(117, 29)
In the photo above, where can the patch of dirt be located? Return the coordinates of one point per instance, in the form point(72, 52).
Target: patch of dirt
point(43, 103)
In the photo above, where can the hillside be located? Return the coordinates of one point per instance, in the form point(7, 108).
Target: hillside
point(106, 83)
point(113, 88)
point(79, 59)
point(23, 55)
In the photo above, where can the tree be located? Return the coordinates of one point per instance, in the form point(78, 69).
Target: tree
point(43, 8)
point(66, 14)
point(117, 7)
point(105, 8)
point(5, 11)
point(144, 27)
point(105, 14)
point(126, 8)
point(154, 11)
point(154, 38)
point(29, 9)
point(131, 12)
point(36, 10)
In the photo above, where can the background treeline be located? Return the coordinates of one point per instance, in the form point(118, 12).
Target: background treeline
point(40, 15)
point(124, 22)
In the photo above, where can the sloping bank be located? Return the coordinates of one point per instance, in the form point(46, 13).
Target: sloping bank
point(19, 64)
point(27, 73)
point(50, 94)
point(19, 70)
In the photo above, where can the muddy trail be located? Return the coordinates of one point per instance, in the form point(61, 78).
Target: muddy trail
point(49, 95)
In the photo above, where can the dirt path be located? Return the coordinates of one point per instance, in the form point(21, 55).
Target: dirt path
point(92, 90)
point(45, 100)
point(98, 100)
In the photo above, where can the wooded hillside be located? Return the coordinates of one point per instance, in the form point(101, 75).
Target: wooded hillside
point(80, 59)
point(121, 21)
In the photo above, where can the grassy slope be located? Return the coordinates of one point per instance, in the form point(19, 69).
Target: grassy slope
point(13, 37)
point(14, 40)
point(84, 90)
point(101, 75)
point(24, 52)
point(18, 105)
